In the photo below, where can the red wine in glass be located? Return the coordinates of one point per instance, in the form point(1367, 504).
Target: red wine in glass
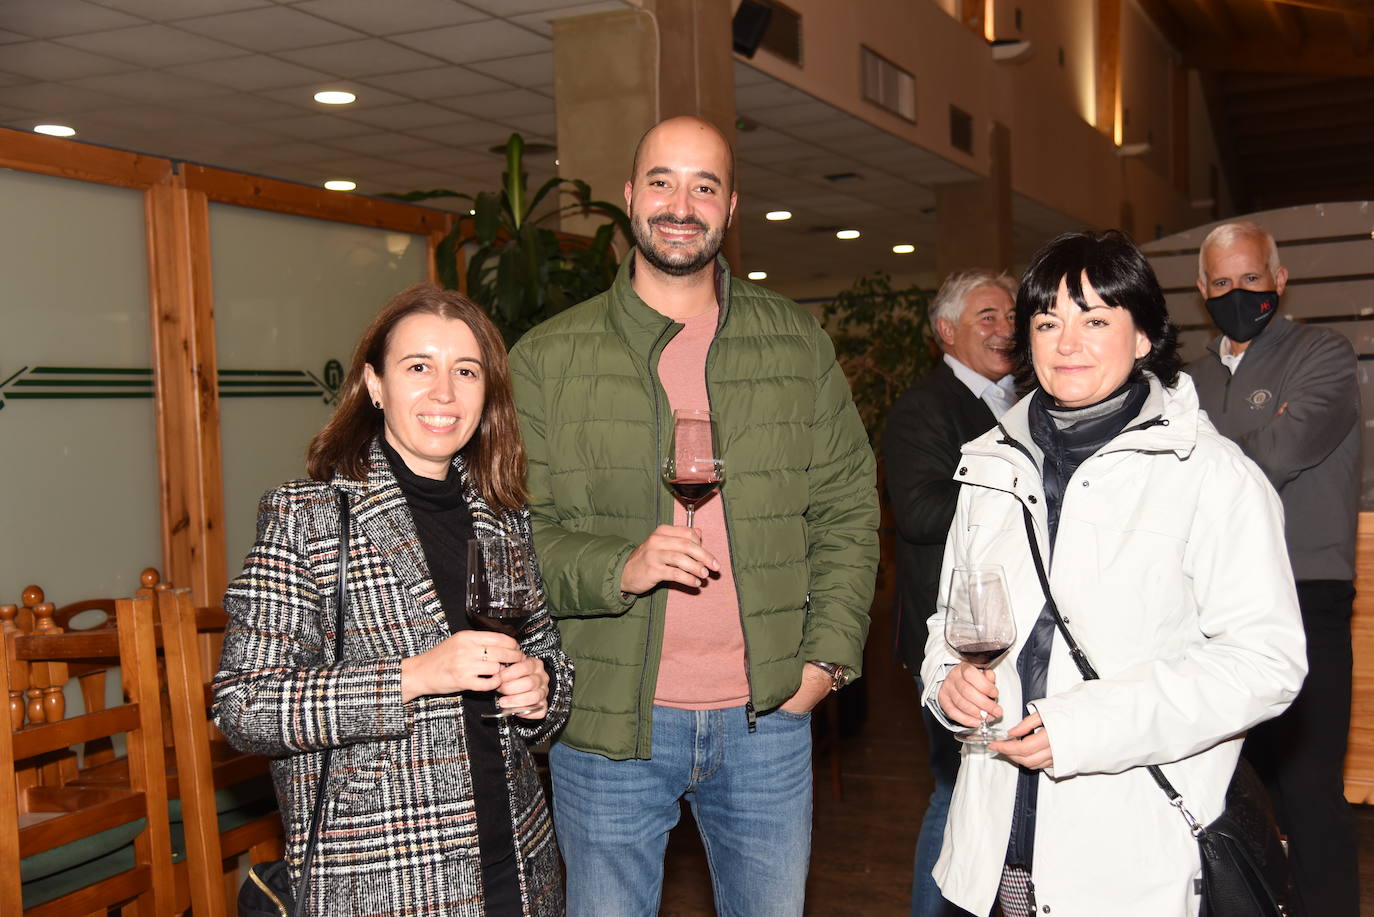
point(979, 627)
point(983, 654)
point(693, 469)
point(501, 595)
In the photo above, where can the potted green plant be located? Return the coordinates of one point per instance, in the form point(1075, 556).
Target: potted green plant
point(519, 268)
point(883, 341)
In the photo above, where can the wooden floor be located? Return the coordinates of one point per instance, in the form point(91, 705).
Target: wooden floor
point(864, 843)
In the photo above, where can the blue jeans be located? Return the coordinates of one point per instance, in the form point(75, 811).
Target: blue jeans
point(926, 900)
point(750, 794)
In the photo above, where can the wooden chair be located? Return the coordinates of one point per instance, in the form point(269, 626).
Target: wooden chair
point(82, 849)
point(221, 820)
point(88, 616)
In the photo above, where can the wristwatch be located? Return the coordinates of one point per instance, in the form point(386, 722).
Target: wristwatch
point(839, 674)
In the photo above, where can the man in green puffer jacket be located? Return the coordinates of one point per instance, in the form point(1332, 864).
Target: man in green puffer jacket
point(699, 651)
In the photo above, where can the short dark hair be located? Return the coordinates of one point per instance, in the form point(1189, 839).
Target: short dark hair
point(1119, 273)
point(495, 454)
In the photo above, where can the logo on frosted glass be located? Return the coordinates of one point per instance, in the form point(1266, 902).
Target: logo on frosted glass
point(93, 382)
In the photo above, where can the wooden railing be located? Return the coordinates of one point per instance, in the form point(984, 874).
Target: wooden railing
point(1359, 759)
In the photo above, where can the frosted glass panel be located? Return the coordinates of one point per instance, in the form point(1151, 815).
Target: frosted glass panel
point(292, 296)
point(79, 501)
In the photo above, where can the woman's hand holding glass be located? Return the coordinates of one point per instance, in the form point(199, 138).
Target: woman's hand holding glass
point(470, 660)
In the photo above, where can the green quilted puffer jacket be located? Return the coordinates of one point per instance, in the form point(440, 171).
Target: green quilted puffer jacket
point(801, 507)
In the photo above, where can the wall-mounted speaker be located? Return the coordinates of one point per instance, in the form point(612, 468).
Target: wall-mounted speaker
point(750, 22)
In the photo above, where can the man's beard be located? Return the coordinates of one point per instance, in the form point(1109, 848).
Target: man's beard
point(673, 262)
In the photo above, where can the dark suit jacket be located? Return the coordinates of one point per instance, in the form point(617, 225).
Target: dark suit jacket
point(925, 431)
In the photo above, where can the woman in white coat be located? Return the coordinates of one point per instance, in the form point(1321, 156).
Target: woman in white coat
point(1166, 558)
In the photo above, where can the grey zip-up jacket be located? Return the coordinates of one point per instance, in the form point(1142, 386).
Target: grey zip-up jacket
point(1293, 407)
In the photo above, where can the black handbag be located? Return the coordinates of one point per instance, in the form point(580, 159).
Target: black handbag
point(267, 891)
point(1245, 872)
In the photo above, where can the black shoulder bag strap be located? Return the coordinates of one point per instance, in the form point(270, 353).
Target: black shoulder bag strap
point(318, 814)
point(1085, 668)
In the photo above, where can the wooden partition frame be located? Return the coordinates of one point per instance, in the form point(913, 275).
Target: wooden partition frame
point(1359, 757)
point(181, 306)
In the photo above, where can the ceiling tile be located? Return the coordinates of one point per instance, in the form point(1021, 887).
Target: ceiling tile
point(437, 82)
point(12, 79)
point(352, 165)
point(509, 8)
point(368, 96)
point(152, 46)
point(57, 99)
point(487, 40)
point(51, 18)
point(385, 143)
point(274, 28)
point(534, 127)
point(169, 10)
point(251, 72)
point(766, 95)
point(9, 38)
point(500, 106)
point(803, 113)
point(472, 134)
point(45, 60)
point(405, 116)
point(393, 16)
point(147, 86)
point(542, 22)
point(413, 180)
point(449, 158)
point(301, 152)
point(746, 75)
point(361, 58)
point(526, 70)
point(140, 117)
point(236, 107)
point(316, 127)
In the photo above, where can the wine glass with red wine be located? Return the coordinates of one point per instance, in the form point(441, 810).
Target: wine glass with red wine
point(501, 595)
point(693, 469)
point(979, 627)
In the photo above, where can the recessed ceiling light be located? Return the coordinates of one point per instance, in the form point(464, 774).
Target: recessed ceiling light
point(758, 275)
point(55, 130)
point(778, 215)
point(847, 234)
point(335, 97)
point(340, 184)
point(903, 249)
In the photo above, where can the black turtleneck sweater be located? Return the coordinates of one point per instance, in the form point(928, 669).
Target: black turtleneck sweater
point(443, 523)
point(1067, 437)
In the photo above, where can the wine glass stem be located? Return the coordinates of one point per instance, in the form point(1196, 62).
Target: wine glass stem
point(983, 723)
point(691, 513)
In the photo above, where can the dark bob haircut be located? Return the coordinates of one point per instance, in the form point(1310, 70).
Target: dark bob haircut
point(1117, 270)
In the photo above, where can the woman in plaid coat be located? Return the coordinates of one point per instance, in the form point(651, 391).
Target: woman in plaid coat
point(429, 808)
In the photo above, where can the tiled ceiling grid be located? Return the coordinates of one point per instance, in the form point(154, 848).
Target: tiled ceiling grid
point(439, 84)
point(229, 82)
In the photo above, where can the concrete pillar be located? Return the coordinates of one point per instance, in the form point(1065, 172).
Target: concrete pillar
point(973, 218)
point(616, 74)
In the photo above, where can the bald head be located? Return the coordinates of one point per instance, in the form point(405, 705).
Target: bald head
point(670, 139)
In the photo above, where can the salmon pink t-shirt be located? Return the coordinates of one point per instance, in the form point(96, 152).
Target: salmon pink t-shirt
point(702, 665)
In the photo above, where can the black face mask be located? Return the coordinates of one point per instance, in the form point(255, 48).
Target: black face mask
point(1242, 314)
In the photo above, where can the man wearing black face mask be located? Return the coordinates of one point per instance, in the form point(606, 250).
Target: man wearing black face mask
point(1288, 395)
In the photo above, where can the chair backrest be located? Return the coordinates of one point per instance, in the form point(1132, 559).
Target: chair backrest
point(205, 762)
point(90, 616)
point(40, 817)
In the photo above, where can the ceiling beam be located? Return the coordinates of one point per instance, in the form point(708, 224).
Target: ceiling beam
point(1330, 57)
point(1174, 30)
point(1359, 28)
point(1219, 17)
point(1286, 19)
point(1351, 7)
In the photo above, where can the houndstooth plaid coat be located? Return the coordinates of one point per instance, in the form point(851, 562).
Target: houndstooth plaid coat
point(399, 832)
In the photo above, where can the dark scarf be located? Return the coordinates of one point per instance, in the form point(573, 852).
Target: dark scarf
point(1068, 437)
